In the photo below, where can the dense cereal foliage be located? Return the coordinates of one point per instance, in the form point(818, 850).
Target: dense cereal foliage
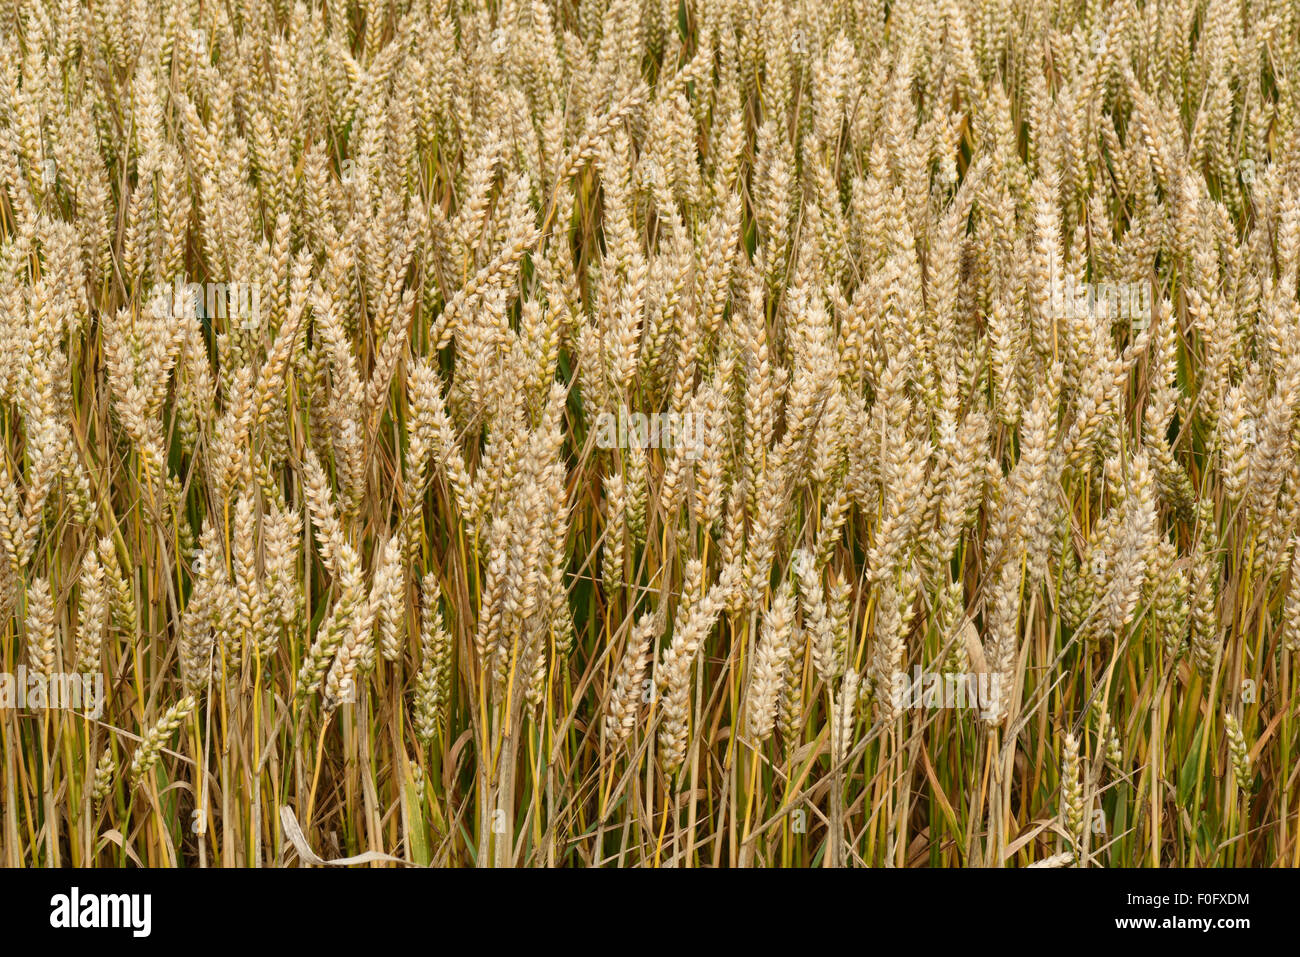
point(649, 432)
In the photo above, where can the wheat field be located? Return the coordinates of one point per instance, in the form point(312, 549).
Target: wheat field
point(664, 433)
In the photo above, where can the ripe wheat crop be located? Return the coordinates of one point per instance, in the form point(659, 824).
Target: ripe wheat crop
point(649, 432)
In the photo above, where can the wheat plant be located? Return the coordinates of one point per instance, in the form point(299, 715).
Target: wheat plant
point(649, 432)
